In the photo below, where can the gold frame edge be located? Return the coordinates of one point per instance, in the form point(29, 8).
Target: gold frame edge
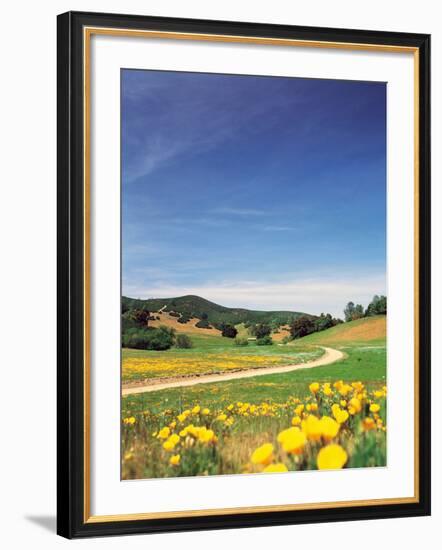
point(87, 33)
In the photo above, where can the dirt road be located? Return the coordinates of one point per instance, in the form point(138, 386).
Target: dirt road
point(330, 356)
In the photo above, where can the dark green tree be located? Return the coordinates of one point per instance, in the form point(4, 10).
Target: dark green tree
point(302, 326)
point(353, 312)
point(260, 330)
point(228, 331)
point(140, 317)
point(324, 321)
point(378, 306)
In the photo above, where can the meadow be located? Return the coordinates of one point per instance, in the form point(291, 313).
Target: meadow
point(210, 355)
point(331, 416)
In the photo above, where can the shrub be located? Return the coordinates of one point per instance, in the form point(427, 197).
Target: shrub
point(204, 323)
point(264, 341)
point(241, 341)
point(127, 322)
point(174, 314)
point(151, 338)
point(184, 319)
point(183, 341)
point(261, 330)
point(229, 331)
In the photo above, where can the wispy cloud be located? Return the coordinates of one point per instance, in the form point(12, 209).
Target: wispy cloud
point(154, 152)
point(168, 115)
point(310, 295)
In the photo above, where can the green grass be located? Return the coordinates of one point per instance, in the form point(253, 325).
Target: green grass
point(145, 457)
point(201, 343)
point(362, 363)
point(211, 354)
point(217, 344)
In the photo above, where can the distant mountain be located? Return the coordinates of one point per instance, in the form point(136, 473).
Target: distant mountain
point(195, 306)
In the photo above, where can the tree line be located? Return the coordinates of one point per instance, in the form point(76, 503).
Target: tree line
point(303, 326)
point(378, 306)
point(136, 332)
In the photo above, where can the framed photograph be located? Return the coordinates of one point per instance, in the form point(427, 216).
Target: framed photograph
point(243, 274)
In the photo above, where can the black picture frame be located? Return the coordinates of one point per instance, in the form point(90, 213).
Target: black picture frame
point(72, 393)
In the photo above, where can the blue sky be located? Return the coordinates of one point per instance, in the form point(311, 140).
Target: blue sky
point(259, 192)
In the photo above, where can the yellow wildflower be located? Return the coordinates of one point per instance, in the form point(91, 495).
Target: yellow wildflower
point(354, 406)
point(374, 408)
point(221, 417)
point(344, 389)
point(340, 415)
point(164, 433)
point(329, 428)
point(263, 454)
point(170, 443)
point(296, 421)
point(314, 387)
point(206, 411)
point(292, 440)
point(311, 426)
point(205, 435)
point(331, 457)
point(196, 409)
point(174, 460)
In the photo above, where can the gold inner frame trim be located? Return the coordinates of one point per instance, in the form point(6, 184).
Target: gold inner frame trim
point(87, 34)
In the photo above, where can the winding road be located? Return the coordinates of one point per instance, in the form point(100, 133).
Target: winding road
point(330, 356)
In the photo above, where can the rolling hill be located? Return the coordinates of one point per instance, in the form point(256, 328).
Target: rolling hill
point(197, 307)
point(165, 319)
point(368, 329)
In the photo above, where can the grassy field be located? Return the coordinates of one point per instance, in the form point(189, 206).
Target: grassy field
point(211, 354)
point(266, 423)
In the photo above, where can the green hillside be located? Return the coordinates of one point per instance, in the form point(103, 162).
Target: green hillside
point(195, 306)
